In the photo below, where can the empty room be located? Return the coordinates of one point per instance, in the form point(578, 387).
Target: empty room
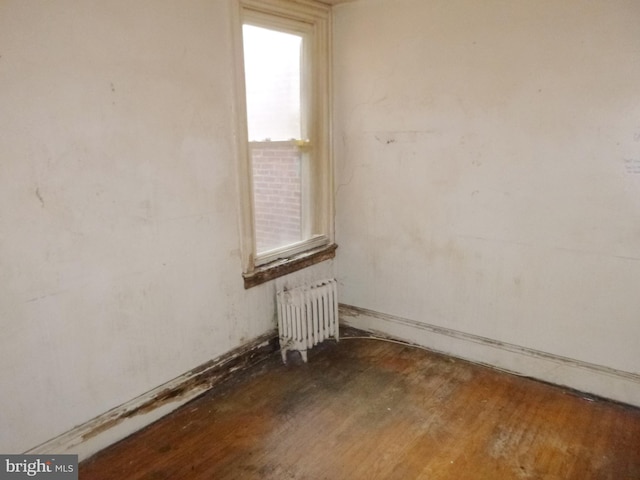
point(340, 239)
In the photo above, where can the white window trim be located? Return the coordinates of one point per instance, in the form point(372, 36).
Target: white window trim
point(317, 15)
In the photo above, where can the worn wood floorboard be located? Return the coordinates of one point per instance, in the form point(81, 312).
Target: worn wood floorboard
point(367, 409)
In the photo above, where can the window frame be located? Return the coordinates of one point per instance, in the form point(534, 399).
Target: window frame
point(312, 19)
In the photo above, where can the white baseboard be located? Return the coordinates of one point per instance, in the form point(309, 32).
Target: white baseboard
point(582, 376)
point(104, 430)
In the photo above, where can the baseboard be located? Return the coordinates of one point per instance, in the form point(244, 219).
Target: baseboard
point(585, 377)
point(120, 422)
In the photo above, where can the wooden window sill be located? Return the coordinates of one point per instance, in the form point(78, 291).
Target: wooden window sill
point(284, 266)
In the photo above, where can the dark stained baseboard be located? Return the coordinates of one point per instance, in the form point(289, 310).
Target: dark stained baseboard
point(85, 439)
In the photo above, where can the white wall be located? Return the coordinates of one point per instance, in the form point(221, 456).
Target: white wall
point(488, 180)
point(119, 250)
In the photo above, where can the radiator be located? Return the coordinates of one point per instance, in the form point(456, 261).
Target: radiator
point(306, 316)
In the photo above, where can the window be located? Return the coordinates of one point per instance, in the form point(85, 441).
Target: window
point(285, 168)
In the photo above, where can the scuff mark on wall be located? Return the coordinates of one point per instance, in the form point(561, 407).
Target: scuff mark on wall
point(39, 195)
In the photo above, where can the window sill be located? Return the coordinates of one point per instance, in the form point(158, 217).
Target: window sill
point(282, 267)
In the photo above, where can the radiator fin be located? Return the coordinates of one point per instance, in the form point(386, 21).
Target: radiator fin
point(307, 315)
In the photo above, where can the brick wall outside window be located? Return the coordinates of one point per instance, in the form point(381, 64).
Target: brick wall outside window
point(277, 194)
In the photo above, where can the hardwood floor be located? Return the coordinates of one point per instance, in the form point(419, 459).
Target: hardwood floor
point(368, 409)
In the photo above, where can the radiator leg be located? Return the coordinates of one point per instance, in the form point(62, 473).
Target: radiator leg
point(303, 354)
point(283, 352)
